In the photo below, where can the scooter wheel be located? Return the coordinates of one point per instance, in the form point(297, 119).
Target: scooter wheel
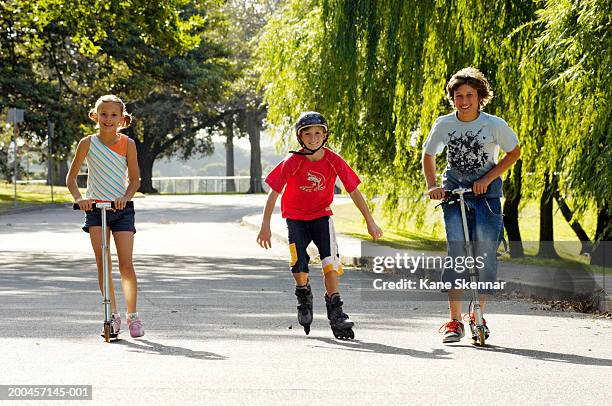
point(107, 333)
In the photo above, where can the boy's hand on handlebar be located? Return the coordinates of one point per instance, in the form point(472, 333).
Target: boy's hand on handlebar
point(480, 186)
point(436, 193)
point(264, 238)
point(85, 204)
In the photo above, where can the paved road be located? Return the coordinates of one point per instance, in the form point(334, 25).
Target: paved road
point(220, 318)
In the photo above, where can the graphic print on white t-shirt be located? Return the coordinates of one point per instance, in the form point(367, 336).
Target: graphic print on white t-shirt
point(465, 151)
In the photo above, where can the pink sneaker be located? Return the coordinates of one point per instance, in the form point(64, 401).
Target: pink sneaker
point(116, 323)
point(135, 325)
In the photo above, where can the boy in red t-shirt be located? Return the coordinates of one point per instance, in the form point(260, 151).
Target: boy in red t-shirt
point(308, 177)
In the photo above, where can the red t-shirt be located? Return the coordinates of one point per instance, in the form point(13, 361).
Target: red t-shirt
point(309, 187)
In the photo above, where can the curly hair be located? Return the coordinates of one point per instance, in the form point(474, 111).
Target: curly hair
point(474, 78)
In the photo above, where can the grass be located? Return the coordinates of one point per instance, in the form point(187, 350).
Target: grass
point(430, 235)
point(31, 195)
point(34, 194)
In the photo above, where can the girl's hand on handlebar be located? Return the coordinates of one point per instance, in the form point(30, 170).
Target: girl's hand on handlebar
point(84, 204)
point(436, 193)
point(120, 203)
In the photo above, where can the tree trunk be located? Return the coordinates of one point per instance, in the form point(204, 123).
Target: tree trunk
point(60, 170)
point(512, 191)
point(145, 162)
point(547, 247)
point(253, 129)
point(603, 235)
point(230, 185)
point(587, 247)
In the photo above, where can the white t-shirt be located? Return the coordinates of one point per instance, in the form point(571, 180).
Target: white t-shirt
point(472, 148)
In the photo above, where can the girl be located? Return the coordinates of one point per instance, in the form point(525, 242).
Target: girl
point(113, 176)
point(473, 139)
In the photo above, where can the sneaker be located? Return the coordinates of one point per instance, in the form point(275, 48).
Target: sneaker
point(471, 318)
point(135, 325)
point(453, 331)
point(116, 323)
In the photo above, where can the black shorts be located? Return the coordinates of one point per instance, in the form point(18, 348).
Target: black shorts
point(321, 232)
point(116, 220)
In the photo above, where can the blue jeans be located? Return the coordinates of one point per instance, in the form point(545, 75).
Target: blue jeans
point(485, 225)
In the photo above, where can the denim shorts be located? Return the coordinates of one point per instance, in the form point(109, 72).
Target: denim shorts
point(116, 220)
point(485, 225)
point(321, 232)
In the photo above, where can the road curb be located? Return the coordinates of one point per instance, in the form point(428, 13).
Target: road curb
point(36, 207)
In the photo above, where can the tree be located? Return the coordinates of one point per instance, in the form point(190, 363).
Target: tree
point(165, 126)
point(574, 45)
point(378, 70)
point(228, 124)
point(244, 99)
point(53, 61)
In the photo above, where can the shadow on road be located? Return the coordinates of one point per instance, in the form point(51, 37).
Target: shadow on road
point(544, 355)
point(150, 347)
point(197, 298)
point(363, 346)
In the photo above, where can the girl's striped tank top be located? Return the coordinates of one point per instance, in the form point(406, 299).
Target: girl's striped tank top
point(107, 169)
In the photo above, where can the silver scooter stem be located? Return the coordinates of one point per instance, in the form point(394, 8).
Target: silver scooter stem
point(105, 268)
point(469, 252)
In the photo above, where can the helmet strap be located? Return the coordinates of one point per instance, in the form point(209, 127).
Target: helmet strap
point(310, 151)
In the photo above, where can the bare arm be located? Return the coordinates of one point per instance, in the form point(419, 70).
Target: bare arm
point(481, 185)
point(361, 204)
point(429, 168)
point(75, 166)
point(133, 176)
point(264, 239)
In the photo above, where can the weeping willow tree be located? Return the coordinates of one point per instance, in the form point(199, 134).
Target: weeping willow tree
point(378, 71)
point(575, 48)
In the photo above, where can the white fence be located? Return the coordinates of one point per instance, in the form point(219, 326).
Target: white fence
point(201, 184)
point(189, 184)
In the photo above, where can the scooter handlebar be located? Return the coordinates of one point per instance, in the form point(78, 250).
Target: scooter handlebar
point(75, 206)
point(460, 191)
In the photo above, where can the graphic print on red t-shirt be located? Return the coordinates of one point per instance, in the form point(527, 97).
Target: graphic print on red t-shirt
point(309, 185)
point(316, 182)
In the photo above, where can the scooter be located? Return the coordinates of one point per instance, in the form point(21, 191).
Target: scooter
point(477, 326)
point(108, 333)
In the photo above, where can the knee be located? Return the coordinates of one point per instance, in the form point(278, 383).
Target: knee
point(300, 266)
point(331, 268)
point(126, 265)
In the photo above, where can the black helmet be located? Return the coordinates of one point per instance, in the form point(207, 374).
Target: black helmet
point(309, 119)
